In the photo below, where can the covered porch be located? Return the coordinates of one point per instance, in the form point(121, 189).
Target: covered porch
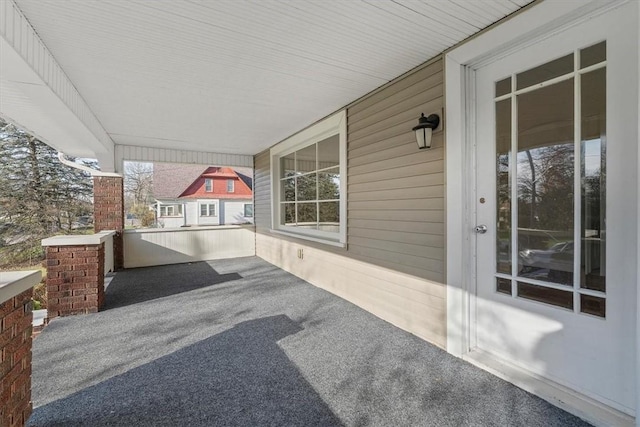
point(241, 342)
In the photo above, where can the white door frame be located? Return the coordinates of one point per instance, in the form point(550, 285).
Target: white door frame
point(531, 25)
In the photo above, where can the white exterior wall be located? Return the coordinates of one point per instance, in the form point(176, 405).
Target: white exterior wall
point(208, 220)
point(233, 211)
point(147, 247)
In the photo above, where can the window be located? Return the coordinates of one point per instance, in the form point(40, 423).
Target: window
point(537, 162)
point(208, 185)
point(171, 210)
point(208, 209)
point(248, 210)
point(230, 185)
point(308, 177)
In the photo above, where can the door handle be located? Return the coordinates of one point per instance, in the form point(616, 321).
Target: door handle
point(481, 229)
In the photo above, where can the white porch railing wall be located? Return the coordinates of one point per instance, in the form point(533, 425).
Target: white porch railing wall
point(109, 261)
point(161, 246)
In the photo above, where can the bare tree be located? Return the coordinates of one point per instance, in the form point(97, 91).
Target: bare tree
point(138, 188)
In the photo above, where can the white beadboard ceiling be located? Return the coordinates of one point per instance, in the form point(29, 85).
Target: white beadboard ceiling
point(237, 76)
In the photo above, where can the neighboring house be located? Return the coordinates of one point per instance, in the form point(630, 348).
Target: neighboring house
point(195, 195)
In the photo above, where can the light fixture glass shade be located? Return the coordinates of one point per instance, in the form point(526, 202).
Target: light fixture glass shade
point(424, 130)
point(423, 137)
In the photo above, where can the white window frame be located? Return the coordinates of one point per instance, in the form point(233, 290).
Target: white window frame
point(231, 186)
point(244, 210)
point(208, 185)
point(335, 124)
point(173, 206)
point(208, 209)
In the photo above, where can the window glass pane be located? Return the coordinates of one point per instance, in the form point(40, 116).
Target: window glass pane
point(329, 184)
point(593, 198)
point(230, 186)
point(289, 189)
point(593, 54)
point(329, 152)
point(503, 208)
point(212, 210)
point(208, 185)
point(593, 305)
point(306, 159)
point(545, 72)
point(287, 166)
point(307, 215)
point(503, 285)
point(503, 87)
point(248, 211)
point(203, 210)
point(306, 187)
point(545, 183)
point(546, 295)
point(288, 214)
point(330, 216)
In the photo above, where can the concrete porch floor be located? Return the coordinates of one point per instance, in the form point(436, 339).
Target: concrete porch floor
point(240, 342)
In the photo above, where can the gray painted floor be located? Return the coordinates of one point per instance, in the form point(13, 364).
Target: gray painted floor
point(242, 343)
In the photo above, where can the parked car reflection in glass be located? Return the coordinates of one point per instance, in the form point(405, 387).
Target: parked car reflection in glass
point(553, 265)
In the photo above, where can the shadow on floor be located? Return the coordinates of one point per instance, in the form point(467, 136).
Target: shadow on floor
point(149, 283)
point(239, 377)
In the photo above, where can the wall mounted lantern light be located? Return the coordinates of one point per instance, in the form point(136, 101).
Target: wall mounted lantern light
point(425, 128)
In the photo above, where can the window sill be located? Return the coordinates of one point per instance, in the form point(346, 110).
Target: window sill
point(301, 236)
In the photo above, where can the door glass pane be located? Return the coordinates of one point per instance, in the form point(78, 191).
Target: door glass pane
point(503, 87)
point(503, 285)
point(544, 72)
point(593, 54)
point(547, 295)
point(503, 193)
point(593, 305)
point(593, 165)
point(545, 183)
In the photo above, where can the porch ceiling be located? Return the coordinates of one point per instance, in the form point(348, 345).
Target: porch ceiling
point(238, 76)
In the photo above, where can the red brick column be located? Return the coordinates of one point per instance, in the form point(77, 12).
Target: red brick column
point(108, 212)
point(75, 279)
point(15, 360)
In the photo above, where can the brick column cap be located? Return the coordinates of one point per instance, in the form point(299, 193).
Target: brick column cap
point(78, 239)
point(13, 283)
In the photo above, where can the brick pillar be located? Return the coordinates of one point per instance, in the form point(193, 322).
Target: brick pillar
point(108, 212)
point(15, 360)
point(75, 279)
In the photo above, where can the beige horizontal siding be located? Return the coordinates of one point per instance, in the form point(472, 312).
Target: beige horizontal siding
point(394, 262)
point(389, 177)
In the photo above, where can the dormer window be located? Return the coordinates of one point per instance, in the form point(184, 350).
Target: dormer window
point(230, 186)
point(208, 185)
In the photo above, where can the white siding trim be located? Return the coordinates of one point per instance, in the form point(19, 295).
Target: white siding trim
point(18, 33)
point(168, 155)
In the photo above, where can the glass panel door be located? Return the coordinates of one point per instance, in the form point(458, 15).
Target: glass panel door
point(550, 128)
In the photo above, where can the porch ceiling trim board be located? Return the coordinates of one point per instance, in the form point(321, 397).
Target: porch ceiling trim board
point(237, 77)
point(37, 94)
point(168, 155)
